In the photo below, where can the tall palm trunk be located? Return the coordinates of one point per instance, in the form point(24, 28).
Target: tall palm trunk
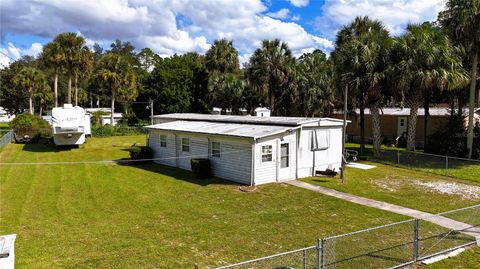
point(412, 125)
point(471, 104)
point(69, 93)
point(426, 108)
point(272, 101)
point(112, 109)
point(55, 88)
point(376, 130)
point(362, 129)
point(76, 90)
point(30, 102)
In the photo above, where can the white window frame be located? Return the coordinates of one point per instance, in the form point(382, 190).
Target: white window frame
point(187, 144)
point(163, 141)
point(216, 154)
point(269, 148)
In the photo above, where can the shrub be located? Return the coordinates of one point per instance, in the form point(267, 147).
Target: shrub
point(201, 168)
point(119, 130)
point(28, 127)
point(140, 153)
point(452, 140)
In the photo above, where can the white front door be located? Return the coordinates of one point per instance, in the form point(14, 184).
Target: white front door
point(401, 126)
point(284, 161)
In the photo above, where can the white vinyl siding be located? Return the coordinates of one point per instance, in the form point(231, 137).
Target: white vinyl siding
point(329, 158)
point(164, 155)
point(235, 162)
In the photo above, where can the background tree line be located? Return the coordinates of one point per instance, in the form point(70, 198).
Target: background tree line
point(430, 63)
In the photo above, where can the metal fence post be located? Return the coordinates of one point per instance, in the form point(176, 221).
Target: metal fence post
point(319, 248)
point(324, 253)
point(416, 241)
point(398, 157)
point(304, 259)
point(446, 165)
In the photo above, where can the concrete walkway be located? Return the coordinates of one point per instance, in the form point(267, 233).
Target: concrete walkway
point(439, 220)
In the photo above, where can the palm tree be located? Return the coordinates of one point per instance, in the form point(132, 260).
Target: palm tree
point(361, 61)
point(222, 57)
point(116, 73)
point(425, 59)
point(461, 19)
point(53, 57)
point(271, 69)
point(31, 80)
point(315, 87)
point(71, 46)
point(227, 91)
point(83, 68)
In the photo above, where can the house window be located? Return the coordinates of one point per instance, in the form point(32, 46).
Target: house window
point(266, 153)
point(402, 122)
point(185, 145)
point(320, 140)
point(163, 141)
point(216, 149)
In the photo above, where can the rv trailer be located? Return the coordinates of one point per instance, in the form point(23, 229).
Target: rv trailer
point(69, 125)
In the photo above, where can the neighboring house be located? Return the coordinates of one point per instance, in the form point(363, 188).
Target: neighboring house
point(246, 149)
point(116, 118)
point(394, 123)
point(5, 116)
point(262, 112)
point(105, 118)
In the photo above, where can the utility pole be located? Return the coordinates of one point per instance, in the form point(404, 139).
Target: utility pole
point(151, 112)
point(344, 130)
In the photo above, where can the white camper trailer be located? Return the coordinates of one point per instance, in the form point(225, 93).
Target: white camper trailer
point(69, 125)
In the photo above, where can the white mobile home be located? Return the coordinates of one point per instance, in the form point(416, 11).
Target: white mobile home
point(248, 150)
point(69, 125)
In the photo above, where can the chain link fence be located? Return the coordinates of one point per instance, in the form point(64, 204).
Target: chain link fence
point(437, 164)
point(388, 246)
point(305, 258)
point(6, 139)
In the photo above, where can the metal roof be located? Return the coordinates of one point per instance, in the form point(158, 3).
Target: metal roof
point(219, 128)
point(276, 121)
point(397, 111)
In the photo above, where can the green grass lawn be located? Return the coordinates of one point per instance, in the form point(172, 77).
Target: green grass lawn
point(405, 187)
point(152, 216)
point(4, 128)
point(466, 260)
point(462, 169)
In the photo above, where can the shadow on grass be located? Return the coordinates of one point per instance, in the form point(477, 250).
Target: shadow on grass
point(177, 173)
point(46, 146)
point(322, 180)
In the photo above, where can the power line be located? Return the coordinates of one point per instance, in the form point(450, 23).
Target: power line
point(117, 161)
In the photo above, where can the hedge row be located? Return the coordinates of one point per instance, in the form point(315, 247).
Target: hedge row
point(107, 130)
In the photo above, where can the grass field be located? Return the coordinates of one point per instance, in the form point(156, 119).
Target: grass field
point(3, 128)
point(461, 169)
point(405, 187)
point(151, 216)
point(466, 260)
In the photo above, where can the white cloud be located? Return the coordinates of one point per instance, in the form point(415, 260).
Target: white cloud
point(12, 53)
point(281, 14)
point(167, 27)
point(299, 3)
point(295, 18)
point(393, 13)
point(34, 50)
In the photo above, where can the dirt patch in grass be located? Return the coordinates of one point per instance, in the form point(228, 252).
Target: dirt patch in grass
point(450, 188)
point(461, 190)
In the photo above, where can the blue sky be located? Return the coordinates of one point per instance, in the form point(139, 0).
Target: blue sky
point(180, 26)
